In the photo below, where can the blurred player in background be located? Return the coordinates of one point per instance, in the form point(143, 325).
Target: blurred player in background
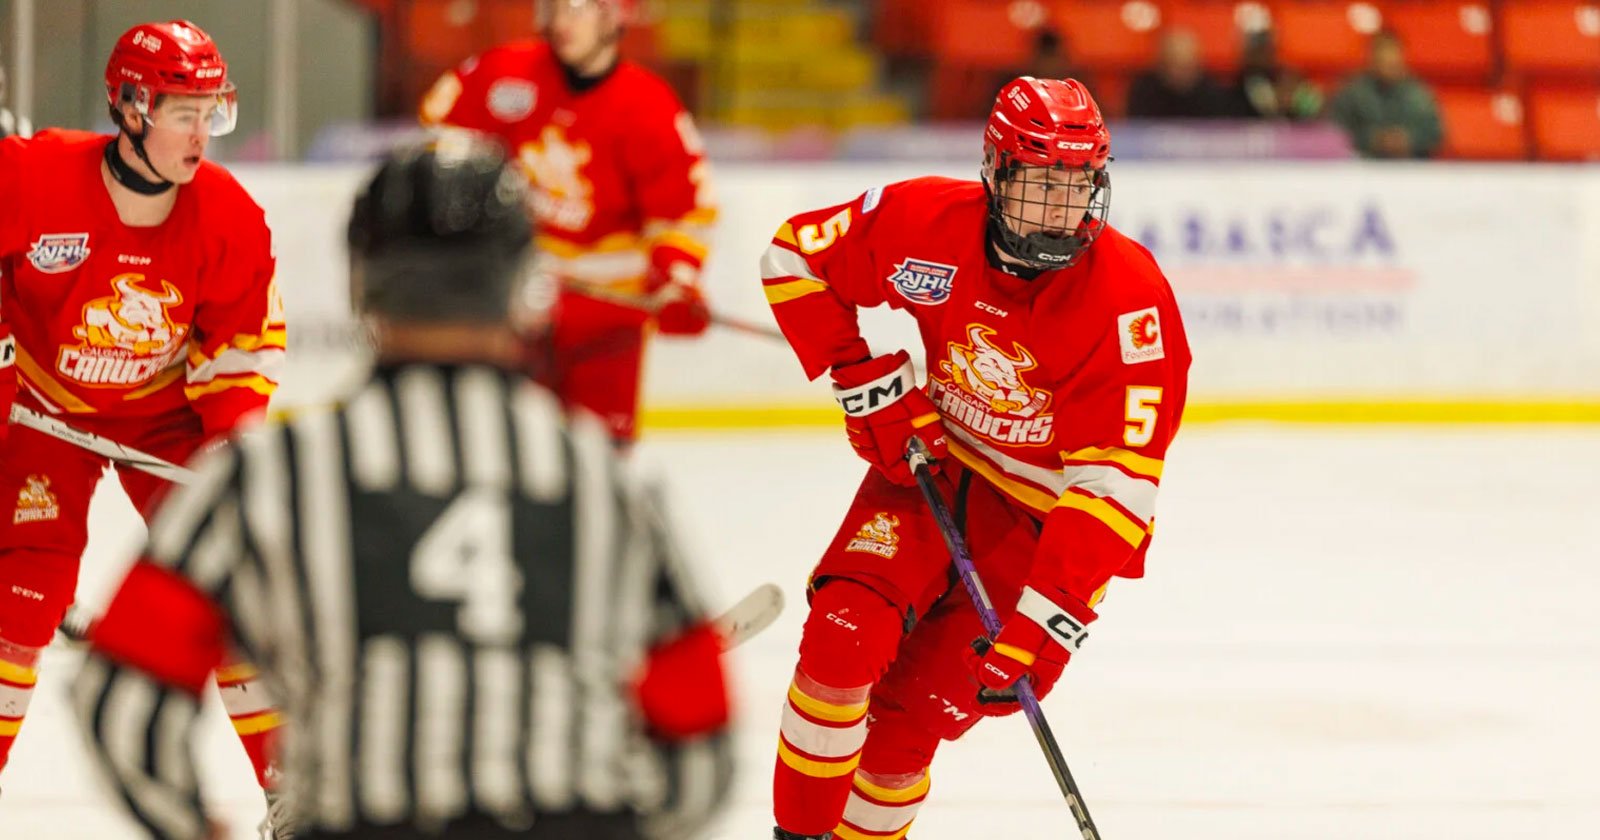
point(621, 192)
point(476, 630)
point(138, 285)
point(1057, 375)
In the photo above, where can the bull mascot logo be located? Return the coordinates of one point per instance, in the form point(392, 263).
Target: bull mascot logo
point(134, 319)
point(993, 375)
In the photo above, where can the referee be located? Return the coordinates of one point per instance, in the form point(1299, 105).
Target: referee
point(478, 627)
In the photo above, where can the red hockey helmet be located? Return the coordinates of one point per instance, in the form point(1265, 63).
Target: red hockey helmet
point(1045, 153)
point(175, 57)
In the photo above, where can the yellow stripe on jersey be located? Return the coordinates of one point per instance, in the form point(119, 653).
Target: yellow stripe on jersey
point(699, 216)
point(683, 242)
point(822, 710)
point(1142, 465)
point(242, 672)
point(785, 292)
point(162, 380)
point(9, 727)
point(608, 244)
point(894, 795)
point(1131, 531)
point(1024, 493)
point(38, 378)
point(785, 235)
point(254, 382)
point(817, 769)
point(257, 724)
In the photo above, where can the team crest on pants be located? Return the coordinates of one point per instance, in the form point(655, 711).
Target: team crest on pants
point(877, 536)
point(35, 502)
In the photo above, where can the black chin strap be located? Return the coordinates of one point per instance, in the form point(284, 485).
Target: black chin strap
point(127, 175)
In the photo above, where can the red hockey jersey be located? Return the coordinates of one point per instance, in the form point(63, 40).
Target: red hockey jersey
point(620, 180)
point(134, 322)
point(1062, 391)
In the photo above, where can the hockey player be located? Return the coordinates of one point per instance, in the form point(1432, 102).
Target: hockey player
point(138, 286)
point(620, 193)
point(1057, 369)
point(477, 633)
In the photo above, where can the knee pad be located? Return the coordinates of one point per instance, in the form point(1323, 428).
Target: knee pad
point(851, 635)
point(36, 587)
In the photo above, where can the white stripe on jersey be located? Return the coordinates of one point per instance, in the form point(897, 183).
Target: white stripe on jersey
point(324, 526)
point(551, 717)
point(385, 719)
point(481, 417)
point(430, 463)
point(374, 449)
point(440, 721)
point(537, 418)
point(496, 721)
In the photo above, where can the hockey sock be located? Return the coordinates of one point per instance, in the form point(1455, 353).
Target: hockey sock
point(882, 807)
point(19, 672)
point(818, 750)
point(253, 712)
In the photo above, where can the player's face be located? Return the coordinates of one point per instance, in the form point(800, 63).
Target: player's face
point(578, 30)
point(178, 133)
point(1046, 200)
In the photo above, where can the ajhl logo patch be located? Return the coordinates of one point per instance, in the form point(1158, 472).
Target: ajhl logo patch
point(56, 253)
point(922, 281)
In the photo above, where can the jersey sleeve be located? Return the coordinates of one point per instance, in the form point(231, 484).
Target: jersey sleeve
point(1113, 447)
point(150, 655)
point(13, 238)
point(239, 339)
point(670, 177)
point(460, 97)
point(818, 271)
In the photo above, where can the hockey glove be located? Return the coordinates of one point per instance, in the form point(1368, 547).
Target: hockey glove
point(1037, 642)
point(682, 689)
point(884, 409)
point(680, 305)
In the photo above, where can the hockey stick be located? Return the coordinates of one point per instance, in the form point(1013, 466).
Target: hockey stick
point(645, 304)
point(752, 614)
point(103, 446)
point(917, 455)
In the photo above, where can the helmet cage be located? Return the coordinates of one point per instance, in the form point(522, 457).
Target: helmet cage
point(1021, 196)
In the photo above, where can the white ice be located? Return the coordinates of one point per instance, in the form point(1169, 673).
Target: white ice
point(1374, 633)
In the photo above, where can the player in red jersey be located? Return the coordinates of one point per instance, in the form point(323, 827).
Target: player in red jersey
point(138, 286)
point(1057, 369)
point(620, 193)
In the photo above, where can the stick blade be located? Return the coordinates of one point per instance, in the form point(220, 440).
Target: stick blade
point(754, 612)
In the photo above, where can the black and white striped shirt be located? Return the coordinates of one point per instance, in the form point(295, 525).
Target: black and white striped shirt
point(448, 583)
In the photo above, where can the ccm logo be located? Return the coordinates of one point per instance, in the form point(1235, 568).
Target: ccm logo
point(1076, 147)
point(1071, 633)
point(871, 397)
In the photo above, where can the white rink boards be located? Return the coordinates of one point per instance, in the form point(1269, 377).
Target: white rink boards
point(1380, 632)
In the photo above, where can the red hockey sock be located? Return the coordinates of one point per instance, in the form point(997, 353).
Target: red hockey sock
point(850, 638)
point(253, 712)
point(18, 674)
point(818, 750)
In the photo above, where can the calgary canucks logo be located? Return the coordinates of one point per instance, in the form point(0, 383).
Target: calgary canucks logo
point(56, 253)
point(982, 388)
point(128, 337)
point(877, 536)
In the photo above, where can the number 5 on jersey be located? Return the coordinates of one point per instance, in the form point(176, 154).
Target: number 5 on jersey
point(1140, 416)
point(466, 557)
point(814, 238)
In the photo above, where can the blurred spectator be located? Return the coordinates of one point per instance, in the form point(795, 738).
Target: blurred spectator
point(11, 123)
point(1177, 86)
point(1268, 89)
point(1387, 112)
point(1051, 59)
